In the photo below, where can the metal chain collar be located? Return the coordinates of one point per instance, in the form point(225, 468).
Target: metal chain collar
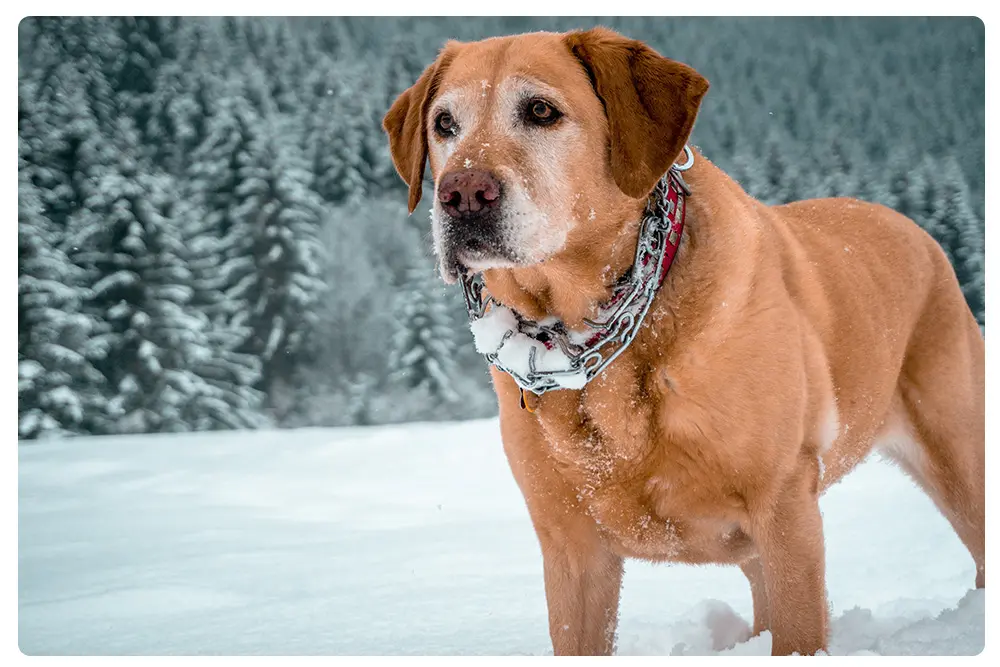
point(619, 320)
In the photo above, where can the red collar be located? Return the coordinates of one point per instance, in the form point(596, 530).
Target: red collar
point(671, 192)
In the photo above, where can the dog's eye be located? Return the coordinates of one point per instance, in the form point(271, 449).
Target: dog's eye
point(541, 112)
point(444, 124)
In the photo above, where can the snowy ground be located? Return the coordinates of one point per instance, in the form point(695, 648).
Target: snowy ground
point(409, 540)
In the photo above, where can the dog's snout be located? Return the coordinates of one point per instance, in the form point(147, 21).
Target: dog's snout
point(468, 193)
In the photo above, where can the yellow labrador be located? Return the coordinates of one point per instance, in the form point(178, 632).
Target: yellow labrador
point(785, 343)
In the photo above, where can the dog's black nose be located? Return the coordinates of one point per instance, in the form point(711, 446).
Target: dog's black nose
point(469, 193)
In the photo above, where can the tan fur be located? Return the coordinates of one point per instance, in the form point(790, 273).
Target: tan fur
point(782, 335)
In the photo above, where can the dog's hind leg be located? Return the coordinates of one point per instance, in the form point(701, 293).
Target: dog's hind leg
point(937, 430)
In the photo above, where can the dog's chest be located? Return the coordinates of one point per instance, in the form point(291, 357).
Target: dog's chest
point(646, 494)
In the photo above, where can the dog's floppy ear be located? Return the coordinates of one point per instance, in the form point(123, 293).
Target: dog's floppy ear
point(651, 103)
point(406, 125)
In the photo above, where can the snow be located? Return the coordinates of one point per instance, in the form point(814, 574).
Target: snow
point(497, 332)
point(410, 539)
point(29, 370)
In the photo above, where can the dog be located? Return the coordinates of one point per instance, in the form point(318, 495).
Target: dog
point(785, 344)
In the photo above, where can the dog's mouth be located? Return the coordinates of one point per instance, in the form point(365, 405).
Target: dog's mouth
point(468, 249)
point(473, 256)
point(466, 261)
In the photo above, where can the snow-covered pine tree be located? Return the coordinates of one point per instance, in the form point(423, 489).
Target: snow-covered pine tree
point(337, 141)
point(233, 401)
point(779, 179)
point(281, 284)
point(223, 245)
point(378, 169)
point(334, 37)
point(67, 143)
point(889, 180)
point(961, 233)
point(87, 45)
point(839, 173)
point(283, 59)
point(403, 66)
point(744, 168)
point(218, 257)
point(319, 84)
point(919, 201)
point(177, 117)
point(59, 390)
point(155, 343)
point(147, 44)
point(88, 40)
point(912, 190)
point(159, 73)
point(60, 132)
point(358, 392)
point(424, 345)
point(257, 89)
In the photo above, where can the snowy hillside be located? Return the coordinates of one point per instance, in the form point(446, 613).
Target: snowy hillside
point(408, 540)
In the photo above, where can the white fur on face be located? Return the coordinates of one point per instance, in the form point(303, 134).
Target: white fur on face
point(537, 208)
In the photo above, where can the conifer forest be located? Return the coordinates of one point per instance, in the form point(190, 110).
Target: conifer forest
point(211, 233)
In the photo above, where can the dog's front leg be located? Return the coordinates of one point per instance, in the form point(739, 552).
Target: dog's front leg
point(754, 571)
point(789, 538)
point(582, 584)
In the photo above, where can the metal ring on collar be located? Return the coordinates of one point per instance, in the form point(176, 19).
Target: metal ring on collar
point(688, 162)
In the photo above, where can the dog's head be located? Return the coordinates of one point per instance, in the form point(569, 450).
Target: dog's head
point(535, 138)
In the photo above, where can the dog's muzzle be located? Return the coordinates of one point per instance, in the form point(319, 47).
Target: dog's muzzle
point(471, 203)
